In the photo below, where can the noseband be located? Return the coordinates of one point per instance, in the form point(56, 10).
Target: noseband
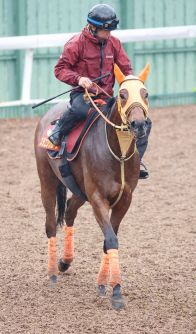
point(136, 105)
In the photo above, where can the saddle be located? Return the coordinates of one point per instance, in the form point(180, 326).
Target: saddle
point(76, 136)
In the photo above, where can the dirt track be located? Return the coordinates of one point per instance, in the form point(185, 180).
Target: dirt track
point(156, 243)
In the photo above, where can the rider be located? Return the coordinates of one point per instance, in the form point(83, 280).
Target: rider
point(88, 55)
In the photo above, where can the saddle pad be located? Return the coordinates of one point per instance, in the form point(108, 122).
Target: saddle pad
point(46, 143)
point(71, 140)
point(74, 139)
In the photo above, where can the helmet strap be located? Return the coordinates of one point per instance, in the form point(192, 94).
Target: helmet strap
point(92, 31)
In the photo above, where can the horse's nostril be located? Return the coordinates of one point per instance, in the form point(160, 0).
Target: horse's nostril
point(133, 124)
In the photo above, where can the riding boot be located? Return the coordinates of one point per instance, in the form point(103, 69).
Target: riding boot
point(76, 113)
point(142, 144)
point(144, 174)
point(55, 134)
point(62, 127)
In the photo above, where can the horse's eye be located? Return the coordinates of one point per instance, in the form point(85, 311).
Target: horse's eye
point(146, 95)
point(122, 96)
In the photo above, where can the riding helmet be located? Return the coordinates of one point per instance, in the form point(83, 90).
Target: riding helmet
point(103, 16)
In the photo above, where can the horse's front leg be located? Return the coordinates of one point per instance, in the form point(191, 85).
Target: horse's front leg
point(118, 213)
point(73, 204)
point(103, 275)
point(110, 261)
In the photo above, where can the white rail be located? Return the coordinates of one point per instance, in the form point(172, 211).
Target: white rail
point(29, 43)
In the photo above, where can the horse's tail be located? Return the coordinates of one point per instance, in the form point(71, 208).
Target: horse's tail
point(61, 195)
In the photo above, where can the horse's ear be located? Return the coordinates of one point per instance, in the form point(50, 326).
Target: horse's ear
point(118, 74)
point(144, 73)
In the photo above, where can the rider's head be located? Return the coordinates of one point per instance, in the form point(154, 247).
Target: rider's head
point(102, 19)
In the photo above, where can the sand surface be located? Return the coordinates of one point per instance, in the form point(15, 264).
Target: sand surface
point(157, 242)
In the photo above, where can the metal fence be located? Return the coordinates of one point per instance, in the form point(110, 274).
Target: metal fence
point(173, 76)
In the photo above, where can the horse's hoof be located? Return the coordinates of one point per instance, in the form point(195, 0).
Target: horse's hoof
point(117, 300)
point(63, 266)
point(53, 281)
point(118, 303)
point(101, 290)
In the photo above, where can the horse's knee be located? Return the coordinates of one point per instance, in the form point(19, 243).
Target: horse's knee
point(110, 242)
point(50, 232)
point(70, 215)
point(50, 225)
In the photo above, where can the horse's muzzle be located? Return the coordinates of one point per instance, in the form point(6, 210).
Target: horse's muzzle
point(139, 128)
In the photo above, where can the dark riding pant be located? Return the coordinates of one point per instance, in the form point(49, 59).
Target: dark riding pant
point(78, 112)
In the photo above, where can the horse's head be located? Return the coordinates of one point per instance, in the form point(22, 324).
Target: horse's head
point(133, 101)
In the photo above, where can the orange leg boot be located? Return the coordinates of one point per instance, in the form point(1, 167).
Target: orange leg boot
point(68, 252)
point(102, 279)
point(115, 279)
point(52, 260)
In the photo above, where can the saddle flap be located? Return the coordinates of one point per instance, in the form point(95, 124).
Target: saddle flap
point(74, 138)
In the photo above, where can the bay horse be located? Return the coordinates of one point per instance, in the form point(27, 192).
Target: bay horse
point(107, 171)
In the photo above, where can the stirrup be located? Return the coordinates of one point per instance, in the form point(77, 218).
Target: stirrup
point(54, 139)
point(55, 135)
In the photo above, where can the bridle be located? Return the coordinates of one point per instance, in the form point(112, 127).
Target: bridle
point(124, 114)
point(123, 134)
point(134, 100)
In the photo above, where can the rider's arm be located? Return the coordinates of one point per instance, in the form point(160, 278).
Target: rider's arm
point(64, 69)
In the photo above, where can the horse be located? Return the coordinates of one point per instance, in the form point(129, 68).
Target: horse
point(106, 170)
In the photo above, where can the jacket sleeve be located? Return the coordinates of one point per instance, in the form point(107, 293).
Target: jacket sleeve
point(64, 69)
point(121, 59)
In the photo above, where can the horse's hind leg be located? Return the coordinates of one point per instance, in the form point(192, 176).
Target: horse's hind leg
point(49, 183)
point(73, 204)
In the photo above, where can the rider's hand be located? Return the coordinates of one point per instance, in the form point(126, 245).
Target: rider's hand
point(85, 82)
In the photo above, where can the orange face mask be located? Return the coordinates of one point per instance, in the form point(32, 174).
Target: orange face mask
point(133, 85)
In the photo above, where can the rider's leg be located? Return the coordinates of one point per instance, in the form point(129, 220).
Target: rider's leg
point(142, 144)
point(77, 112)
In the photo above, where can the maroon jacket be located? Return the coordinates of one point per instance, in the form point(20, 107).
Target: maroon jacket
point(83, 56)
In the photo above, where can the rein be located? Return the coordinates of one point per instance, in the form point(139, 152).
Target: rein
point(122, 161)
point(121, 127)
point(123, 136)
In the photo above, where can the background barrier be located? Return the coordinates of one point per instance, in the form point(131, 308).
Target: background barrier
point(27, 60)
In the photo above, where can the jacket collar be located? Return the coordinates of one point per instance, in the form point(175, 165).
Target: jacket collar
point(86, 32)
